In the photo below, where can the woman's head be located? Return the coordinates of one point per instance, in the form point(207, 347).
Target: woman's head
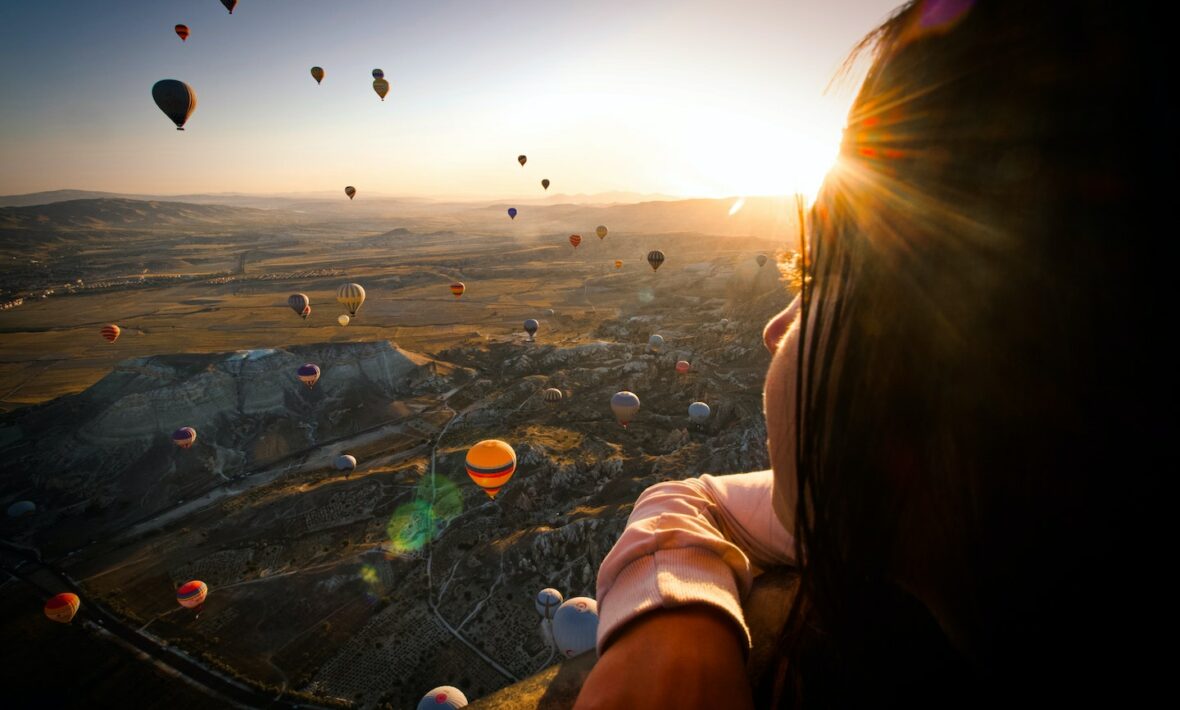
point(971, 362)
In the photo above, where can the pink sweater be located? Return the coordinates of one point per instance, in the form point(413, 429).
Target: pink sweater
point(701, 540)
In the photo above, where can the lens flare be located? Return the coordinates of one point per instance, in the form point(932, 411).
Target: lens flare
point(436, 502)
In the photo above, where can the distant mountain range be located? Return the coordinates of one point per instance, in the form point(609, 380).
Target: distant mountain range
point(119, 213)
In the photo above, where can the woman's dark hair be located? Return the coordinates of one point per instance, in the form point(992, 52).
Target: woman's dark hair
point(981, 384)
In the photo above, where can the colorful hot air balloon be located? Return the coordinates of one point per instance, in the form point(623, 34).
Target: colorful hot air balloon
point(512, 213)
point(575, 239)
point(184, 437)
point(298, 302)
point(378, 74)
point(618, 263)
point(62, 607)
point(308, 374)
point(111, 332)
point(176, 99)
point(656, 259)
point(317, 73)
point(600, 230)
point(530, 327)
point(191, 595)
point(547, 602)
point(351, 296)
point(682, 366)
point(625, 405)
point(182, 32)
point(552, 395)
point(345, 462)
point(381, 86)
point(522, 160)
point(698, 412)
point(21, 508)
point(490, 464)
point(458, 288)
point(545, 183)
point(761, 259)
point(655, 342)
point(575, 626)
point(350, 191)
point(444, 697)
point(230, 5)
point(343, 319)
point(306, 312)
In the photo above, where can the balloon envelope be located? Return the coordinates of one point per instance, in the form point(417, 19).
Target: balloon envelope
point(21, 508)
point(351, 296)
point(512, 212)
point(111, 332)
point(345, 462)
point(547, 602)
point(761, 259)
point(490, 464)
point(381, 86)
point(553, 395)
point(343, 319)
point(458, 288)
point(350, 191)
point(656, 259)
point(230, 5)
point(182, 32)
point(625, 405)
point(530, 326)
point(682, 366)
point(192, 594)
point(545, 183)
point(618, 263)
point(308, 374)
point(176, 99)
point(378, 74)
point(62, 607)
point(655, 342)
point(184, 437)
point(600, 230)
point(698, 412)
point(444, 696)
point(317, 73)
point(522, 159)
point(575, 239)
point(575, 626)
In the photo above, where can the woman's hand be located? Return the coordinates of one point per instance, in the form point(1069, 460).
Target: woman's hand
point(683, 657)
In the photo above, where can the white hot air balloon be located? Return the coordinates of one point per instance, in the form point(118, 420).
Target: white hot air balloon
point(444, 696)
point(575, 626)
point(547, 601)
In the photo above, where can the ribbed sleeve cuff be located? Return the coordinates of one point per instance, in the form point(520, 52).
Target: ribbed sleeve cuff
point(665, 579)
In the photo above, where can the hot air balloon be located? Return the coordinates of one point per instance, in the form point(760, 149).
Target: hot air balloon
point(656, 259)
point(522, 159)
point(343, 319)
point(182, 32)
point(21, 508)
point(306, 312)
point(62, 607)
point(545, 183)
point(191, 595)
point(655, 342)
point(698, 412)
point(490, 463)
point(625, 405)
point(761, 259)
point(308, 374)
point(381, 86)
point(512, 213)
point(378, 74)
point(553, 395)
point(682, 366)
point(724, 322)
point(547, 602)
point(575, 626)
point(346, 462)
point(600, 230)
point(575, 239)
point(530, 327)
point(443, 697)
point(317, 73)
point(351, 296)
point(458, 288)
point(297, 302)
point(618, 263)
point(176, 99)
point(230, 5)
point(184, 437)
point(350, 191)
point(111, 332)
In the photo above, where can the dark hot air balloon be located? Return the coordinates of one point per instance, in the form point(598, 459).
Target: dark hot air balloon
point(350, 191)
point(230, 5)
point(381, 86)
point(522, 159)
point(182, 32)
point(761, 259)
point(656, 259)
point(111, 332)
point(512, 213)
point(308, 374)
point(575, 239)
point(378, 74)
point(317, 73)
point(298, 302)
point(530, 327)
point(184, 437)
point(176, 99)
point(545, 183)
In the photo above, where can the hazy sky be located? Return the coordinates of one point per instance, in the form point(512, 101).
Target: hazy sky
point(686, 97)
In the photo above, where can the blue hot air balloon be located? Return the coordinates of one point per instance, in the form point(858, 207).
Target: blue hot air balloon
point(512, 212)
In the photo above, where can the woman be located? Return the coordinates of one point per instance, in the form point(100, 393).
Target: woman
point(967, 481)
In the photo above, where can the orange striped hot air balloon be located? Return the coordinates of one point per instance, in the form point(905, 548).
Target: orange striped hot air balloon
point(111, 332)
point(191, 595)
point(575, 239)
point(182, 32)
point(490, 463)
point(62, 607)
point(458, 288)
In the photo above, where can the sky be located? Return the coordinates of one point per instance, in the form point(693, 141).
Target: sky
point(679, 97)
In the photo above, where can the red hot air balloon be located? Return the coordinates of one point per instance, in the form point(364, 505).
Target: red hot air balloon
point(62, 607)
point(575, 239)
point(182, 32)
point(111, 332)
point(191, 595)
point(458, 288)
point(682, 366)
